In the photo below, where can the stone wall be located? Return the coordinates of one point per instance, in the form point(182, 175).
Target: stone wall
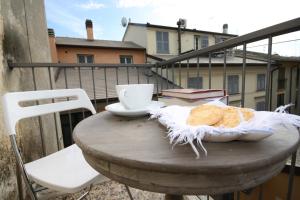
point(23, 39)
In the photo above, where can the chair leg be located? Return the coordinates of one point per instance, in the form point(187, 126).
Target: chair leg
point(19, 182)
point(86, 193)
point(129, 193)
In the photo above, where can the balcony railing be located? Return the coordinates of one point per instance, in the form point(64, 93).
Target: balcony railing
point(99, 80)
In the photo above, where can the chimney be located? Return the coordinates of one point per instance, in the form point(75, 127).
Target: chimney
point(52, 43)
point(225, 28)
point(51, 32)
point(89, 29)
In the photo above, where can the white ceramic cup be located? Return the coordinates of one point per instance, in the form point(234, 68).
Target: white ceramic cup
point(135, 96)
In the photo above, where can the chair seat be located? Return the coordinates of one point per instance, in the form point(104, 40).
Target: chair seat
point(65, 171)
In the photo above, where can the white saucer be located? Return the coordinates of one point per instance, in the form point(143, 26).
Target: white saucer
point(118, 109)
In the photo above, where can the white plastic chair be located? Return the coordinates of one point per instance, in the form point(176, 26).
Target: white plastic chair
point(65, 171)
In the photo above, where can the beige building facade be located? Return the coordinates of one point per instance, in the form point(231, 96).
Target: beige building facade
point(146, 35)
point(153, 37)
point(254, 93)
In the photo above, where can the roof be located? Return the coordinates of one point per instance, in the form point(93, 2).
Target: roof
point(135, 76)
point(183, 29)
point(69, 41)
point(264, 56)
point(214, 60)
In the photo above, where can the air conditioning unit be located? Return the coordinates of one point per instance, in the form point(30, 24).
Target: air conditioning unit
point(182, 23)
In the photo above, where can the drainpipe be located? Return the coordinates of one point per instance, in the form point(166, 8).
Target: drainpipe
point(179, 37)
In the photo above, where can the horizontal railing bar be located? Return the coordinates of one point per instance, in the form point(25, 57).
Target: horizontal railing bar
point(205, 65)
point(72, 65)
point(278, 29)
point(80, 65)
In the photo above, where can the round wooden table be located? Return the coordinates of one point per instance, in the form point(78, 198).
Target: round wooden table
point(136, 152)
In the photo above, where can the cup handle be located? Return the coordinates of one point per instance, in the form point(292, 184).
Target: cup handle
point(122, 98)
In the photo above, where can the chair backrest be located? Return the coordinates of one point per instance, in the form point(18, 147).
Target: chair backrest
point(13, 112)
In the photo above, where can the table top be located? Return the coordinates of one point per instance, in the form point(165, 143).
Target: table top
point(141, 143)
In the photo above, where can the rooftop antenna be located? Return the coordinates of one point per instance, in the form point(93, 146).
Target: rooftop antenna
point(124, 21)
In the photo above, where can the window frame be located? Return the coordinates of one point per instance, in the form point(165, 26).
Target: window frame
point(85, 58)
point(229, 91)
point(163, 43)
point(198, 41)
point(260, 102)
point(280, 99)
point(200, 82)
point(258, 84)
point(126, 57)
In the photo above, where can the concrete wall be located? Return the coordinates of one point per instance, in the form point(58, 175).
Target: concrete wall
point(69, 54)
point(23, 38)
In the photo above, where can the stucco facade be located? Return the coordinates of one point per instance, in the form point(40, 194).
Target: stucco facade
point(187, 40)
point(68, 50)
point(145, 35)
point(68, 54)
point(252, 95)
point(137, 34)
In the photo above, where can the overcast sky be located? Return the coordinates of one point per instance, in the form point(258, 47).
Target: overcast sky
point(68, 17)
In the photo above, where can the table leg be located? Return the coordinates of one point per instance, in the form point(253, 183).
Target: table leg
point(173, 197)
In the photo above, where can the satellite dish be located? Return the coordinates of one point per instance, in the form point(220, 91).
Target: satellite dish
point(124, 21)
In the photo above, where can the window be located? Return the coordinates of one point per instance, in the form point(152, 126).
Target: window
point(260, 106)
point(201, 42)
point(162, 42)
point(281, 78)
point(126, 60)
point(82, 58)
point(219, 39)
point(195, 82)
point(261, 82)
point(280, 100)
point(233, 84)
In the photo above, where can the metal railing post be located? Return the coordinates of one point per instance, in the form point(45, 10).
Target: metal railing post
point(209, 70)
point(54, 114)
point(69, 113)
point(94, 89)
point(224, 71)
point(267, 101)
point(291, 176)
point(105, 83)
point(243, 75)
point(39, 118)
